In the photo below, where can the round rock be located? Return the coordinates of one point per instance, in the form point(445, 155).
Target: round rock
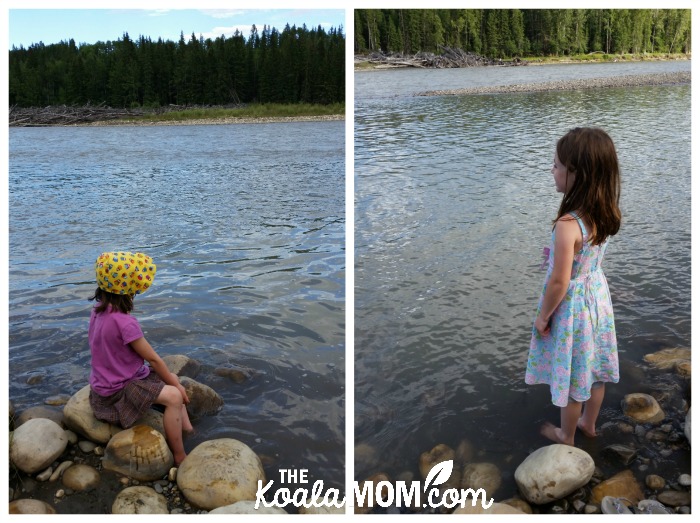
point(551, 473)
point(686, 428)
point(139, 500)
point(182, 365)
point(642, 408)
point(220, 472)
point(140, 453)
point(80, 477)
point(481, 475)
point(30, 506)
point(36, 444)
point(674, 498)
point(40, 411)
point(204, 400)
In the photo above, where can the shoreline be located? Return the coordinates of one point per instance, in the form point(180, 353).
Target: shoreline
point(683, 77)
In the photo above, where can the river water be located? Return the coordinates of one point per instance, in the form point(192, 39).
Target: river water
point(246, 224)
point(454, 202)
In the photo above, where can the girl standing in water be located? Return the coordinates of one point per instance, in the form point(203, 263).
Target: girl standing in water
point(573, 347)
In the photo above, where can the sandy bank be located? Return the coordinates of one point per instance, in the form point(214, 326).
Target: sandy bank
point(682, 77)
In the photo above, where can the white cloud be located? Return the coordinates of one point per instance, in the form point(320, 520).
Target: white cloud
point(222, 13)
point(228, 31)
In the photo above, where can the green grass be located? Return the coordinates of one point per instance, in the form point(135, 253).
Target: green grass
point(249, 111)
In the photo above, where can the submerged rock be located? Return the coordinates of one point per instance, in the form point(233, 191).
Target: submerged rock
point(642, 408)
point(220, 472)
point(40, 411)
point(481, 475)
point(668, 359)
point(436, 455)
point(36, 444)
point(204, 400)
point(553, 472)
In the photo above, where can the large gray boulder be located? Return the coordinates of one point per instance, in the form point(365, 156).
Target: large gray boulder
point(37, 444)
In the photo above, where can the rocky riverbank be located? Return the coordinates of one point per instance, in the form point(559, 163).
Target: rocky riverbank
point(63, 460)
point(682, 77)
point(625, 474)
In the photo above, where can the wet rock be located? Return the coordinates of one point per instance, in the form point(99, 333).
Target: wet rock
point(72, 437)
point(182, 365)
point(668, 358)
point(591, 509)
point(33, 379)
point(204, 400)
point(247, 507)
point(674, 498)
point(78, 416)
point(234, 372)
point(58, 400)
point(655, 482)
point(623, 453)
point(579, 505)
point(140, 453)
point(481, 475)
point(60, 493)
point(495, 508)
point(684, 480)
point(552, 472)
point(80, 477)
point(172, 474)
point(220, 472)
point(686, 428)
point(621, 485)
point(642, 408)
point(366, 456)
point(139, 500)
point(683, 369)
point(436, 455)
point(30, 506)
point(464, 452)
point(40, 411)
point(36, 444)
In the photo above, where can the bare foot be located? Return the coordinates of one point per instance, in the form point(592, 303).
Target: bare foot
point(586, 431)
point(555, 434)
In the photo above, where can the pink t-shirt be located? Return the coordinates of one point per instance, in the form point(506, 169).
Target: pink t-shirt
point(114, 362)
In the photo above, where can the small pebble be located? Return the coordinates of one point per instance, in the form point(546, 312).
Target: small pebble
point(591, 509)
point(59, 470)
point(172, 474)
point(579, 505)
point(124, 481)
point(666, 452)
point(86, 446)
point(71, 436)
point(684, 510)
point(68, 491)
point(176, 511)
point(99, 451)
point(60, 493)
point(639, 431)
point(684, 480)
point(158, 488)
point(655, 482)
point(45, 475)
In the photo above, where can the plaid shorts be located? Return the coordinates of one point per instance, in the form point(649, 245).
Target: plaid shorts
point(129, 404)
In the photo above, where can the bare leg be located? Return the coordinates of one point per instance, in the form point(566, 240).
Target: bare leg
point(569, 416)
point(171, 398)
point(591, 410)
point(186, 425)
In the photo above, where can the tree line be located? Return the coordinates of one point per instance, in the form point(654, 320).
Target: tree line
point(509, 33)
point(296, 65)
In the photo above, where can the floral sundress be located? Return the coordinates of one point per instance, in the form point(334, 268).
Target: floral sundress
point(581, 347)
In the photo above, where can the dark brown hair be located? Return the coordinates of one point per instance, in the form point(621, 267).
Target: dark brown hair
point(589, 154)
point(119, 302)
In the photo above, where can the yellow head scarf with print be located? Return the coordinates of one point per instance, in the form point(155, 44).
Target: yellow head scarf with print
point(124, 272)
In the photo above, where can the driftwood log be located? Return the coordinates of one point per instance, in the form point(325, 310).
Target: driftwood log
point(66, 115)
point(450, 57)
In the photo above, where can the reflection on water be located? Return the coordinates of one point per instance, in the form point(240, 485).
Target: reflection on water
point(246, 225)
point(454, 202)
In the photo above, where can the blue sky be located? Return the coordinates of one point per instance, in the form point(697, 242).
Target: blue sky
point(28, 26)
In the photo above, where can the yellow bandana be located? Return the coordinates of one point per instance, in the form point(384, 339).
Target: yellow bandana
point(124, 272)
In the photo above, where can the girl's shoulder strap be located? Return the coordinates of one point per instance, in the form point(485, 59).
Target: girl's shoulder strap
point(575, 215)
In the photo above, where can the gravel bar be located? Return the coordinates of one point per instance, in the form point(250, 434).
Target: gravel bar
point(682, 77)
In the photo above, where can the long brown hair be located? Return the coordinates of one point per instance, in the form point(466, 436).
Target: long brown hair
point(589, 154)
point(119, 302)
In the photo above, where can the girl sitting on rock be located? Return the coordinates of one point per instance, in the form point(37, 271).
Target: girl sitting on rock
point(574, 347)
point(122, 387)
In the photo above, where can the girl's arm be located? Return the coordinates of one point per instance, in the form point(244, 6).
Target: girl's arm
point(144, 349)
point(566, 234)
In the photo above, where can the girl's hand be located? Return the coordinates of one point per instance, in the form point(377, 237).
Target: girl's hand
point(542, 326)
point(185, 397)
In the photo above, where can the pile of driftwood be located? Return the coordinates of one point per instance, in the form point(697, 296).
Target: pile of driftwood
point(67, 115)
point(449, 58)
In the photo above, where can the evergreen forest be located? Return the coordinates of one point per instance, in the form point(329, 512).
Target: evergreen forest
point(509, 33)
point(296, 65)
